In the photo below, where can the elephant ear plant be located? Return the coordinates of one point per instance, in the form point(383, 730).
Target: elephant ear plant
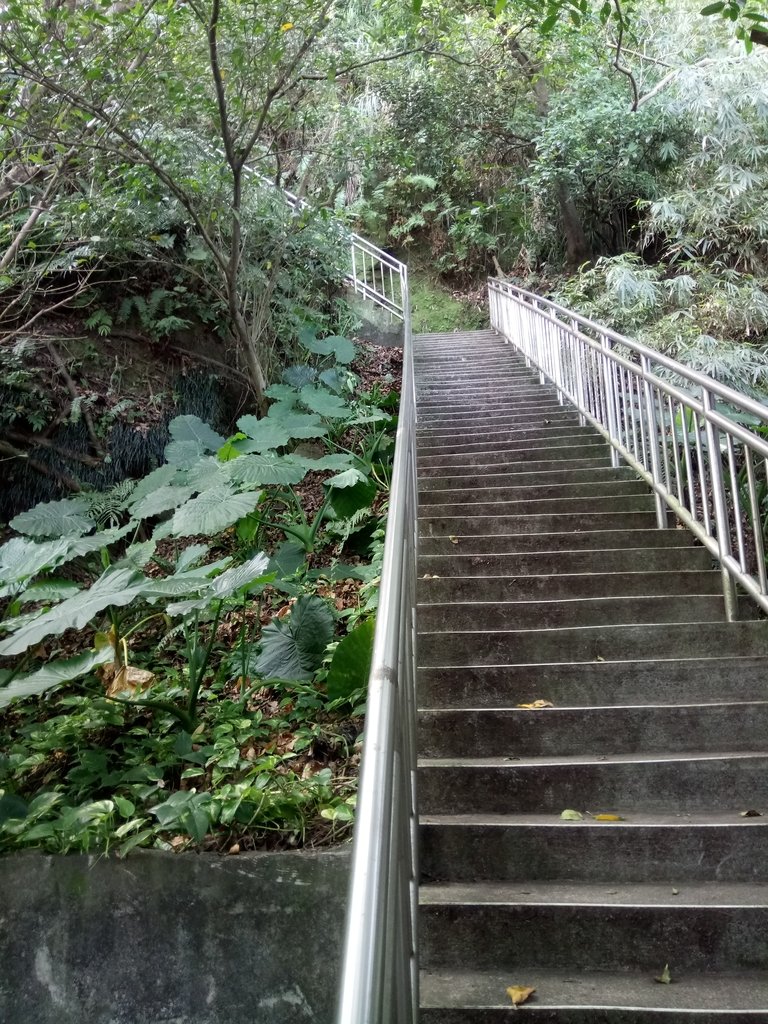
point(225, 669)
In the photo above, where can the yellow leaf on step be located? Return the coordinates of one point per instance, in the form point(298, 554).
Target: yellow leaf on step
point(537, 705)
point(519, 994)
point(608, 817)
point(452, 539)
point(665, 978)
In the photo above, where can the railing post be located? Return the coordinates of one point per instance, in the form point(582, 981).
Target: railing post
point(611, 398)
point(722, 524)
point(654, 440)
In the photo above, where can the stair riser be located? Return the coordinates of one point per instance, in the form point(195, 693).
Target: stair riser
point(595, 643)
point(559, 732)
point(600, 551)
point(521, 454)
point(472, 480)
point(461, 393)
point(561, 492)
point(602, 683)
point(624, 788)
point(464, 587)
point(594, 938)
point(460, 445)
point(512, 466)
point(580, 852)
point(448, 526)
point(506, 425)
point(544, 506)
point(545, 414)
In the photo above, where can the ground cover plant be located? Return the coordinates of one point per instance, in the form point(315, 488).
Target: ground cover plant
point(185, 656)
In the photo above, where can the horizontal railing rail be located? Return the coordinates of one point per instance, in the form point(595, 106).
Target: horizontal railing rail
point(379, 982)
point(700, 445)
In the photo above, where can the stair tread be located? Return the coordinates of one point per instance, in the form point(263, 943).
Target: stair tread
point(469, 709)
point(533, 761)
point(676, 893)
point(700, 820)
point(715, 991)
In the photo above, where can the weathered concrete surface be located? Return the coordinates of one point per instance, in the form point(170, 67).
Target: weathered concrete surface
point(164, 939)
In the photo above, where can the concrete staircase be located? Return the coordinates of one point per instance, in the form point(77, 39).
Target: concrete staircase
point(542, 576)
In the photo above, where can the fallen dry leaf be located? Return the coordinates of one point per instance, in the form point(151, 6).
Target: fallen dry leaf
point(751, 814)
point(536, 705)
point(570, 815)
point(665, 978)
point(519, 994)
point(452, 539)
point(608, 817)
point(234, 849)
point(126, 680)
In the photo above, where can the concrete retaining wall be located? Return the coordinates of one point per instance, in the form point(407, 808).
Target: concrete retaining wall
point(171, 939)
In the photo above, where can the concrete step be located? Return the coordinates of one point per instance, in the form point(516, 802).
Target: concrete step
point(671, 849)
point(593, 643)
point(451, 616)
point(538, 492)
point(624, 784)
point(448, 466)
point(542, 414)
point(609, 682)
point(719, 926)
point(468, 526)
point(552, 732)
point(509, 422)
point(581, 448)
point(595, 997)
point(556, 476)
point(494, 553)
point(465, 587)
point(544, 506)
point(521, 440)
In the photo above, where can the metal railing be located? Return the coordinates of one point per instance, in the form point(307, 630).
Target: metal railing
point(379, 979)
point(379, 970)
point(370, 271)
point(701, 446)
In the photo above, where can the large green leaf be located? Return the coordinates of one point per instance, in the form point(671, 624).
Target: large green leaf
point(282, 393)
point(346, 501)
point(183, 454)
point(192, 428)
point(264, 434)
point(298, 376)
point(293, 648)
point(162, 500)
point(53, 674)
point(351, 662)
point(300, 425)
point(239, 577)
point(116, 587)
point(324, 403)
point(55, 519)
point(336, 462)
point(148, 484)
point(48, 589)
point(340, 348)
point(214, 510)
point(266, 469)
point(21, 559)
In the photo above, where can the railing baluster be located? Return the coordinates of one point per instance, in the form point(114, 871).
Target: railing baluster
point(669, 435)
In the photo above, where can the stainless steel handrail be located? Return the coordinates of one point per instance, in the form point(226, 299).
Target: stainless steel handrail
point(371, 271)
point(379, 970)
point(379, 980)
point(689, 436)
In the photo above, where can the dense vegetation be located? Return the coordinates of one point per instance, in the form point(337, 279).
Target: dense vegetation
point(196, 458)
